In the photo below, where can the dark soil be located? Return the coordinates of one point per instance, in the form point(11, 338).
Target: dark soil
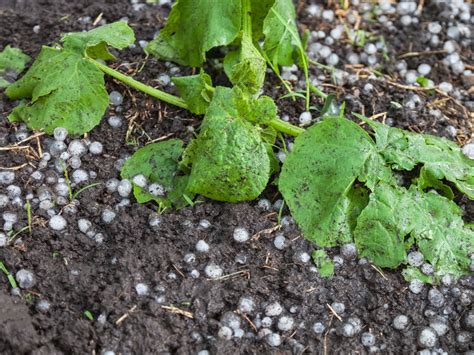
point(76, 274)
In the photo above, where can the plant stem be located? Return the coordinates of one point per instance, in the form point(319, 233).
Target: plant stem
point(318, 92)
point(285, 127)
point(276, 123)
point(246, 19)
point(161, 95)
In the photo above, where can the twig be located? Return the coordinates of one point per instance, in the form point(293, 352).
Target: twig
point(177, 310)
point(248, 320)
point(257, 235)
point(126, 315)
point(379, 271)
point(334, 312)
point(417, 54)
point(225, 277)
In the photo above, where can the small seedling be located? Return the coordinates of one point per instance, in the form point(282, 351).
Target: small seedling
point(10, 277)
point(88, 315)
point(77, 193)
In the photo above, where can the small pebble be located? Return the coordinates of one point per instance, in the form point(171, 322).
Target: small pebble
point(60, 133)
point(225, 333)
point(400, 322)
point(142, 289)
point(202, 246)
point(115, 121)
point(427, 338)
point(416, 286)
point(42, 306)
point(349, 251)
point(279, 242)
point(318, 328)
point(96, 148)
point(124, 188)
point(246, 304)
point(285, 323)
point(57, 223)
point(108, 216)
point(80, 176)
point(273, 309)
point(77, 148)
point(273, 339)
point(338, 307)
point(305, 118)
point(213, 271)
point(231, 320)
point(241, 235)
point(25, 278)
point(115, 98)
point(435, 298)
point(367, 339)
point(156, 189)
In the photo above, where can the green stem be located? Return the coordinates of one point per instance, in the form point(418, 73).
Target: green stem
point(161, 95)
point(246, 19)
point(285, 127)
point(276, 123)
point(318, 92)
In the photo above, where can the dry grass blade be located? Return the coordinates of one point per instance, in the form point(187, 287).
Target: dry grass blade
point(179, 311)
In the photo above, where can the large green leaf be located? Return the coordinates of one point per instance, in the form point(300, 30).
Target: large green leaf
point(66, 90)
point(11, 60)
point(442, 236)
point(281, 34)
point(158, 162)
point(433, 222)
point(94, 42)
point(194, 27)
point(441, 158)
point(229, 158)
point(260, 10)
point(246, 68)
point(196, 90)
point(317, 179)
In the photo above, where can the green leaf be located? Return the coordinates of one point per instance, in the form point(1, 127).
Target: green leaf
point(383, 224)
point(441, 158)
point(66, 90)
point(12, 61)
point(442, 236)
point(229, 159)
point(248, 72)
point(281, 33)
point(431, 221)
point(196, 90)
point(412, 273)
point(260, 10)
point(426, 180)
point(318, 176)
point(194, 27)
point(424, 83)
point(158, 162)
point(323, 263)
point(94, 42)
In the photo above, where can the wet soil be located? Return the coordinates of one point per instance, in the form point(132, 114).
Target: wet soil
point(76, 274)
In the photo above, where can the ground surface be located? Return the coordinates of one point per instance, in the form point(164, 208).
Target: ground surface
point(75, 273)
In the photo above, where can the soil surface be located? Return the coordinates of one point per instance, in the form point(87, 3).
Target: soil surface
point(183, 313)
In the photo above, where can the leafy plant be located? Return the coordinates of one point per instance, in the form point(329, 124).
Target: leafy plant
point(339, 181)
point(196, 26)
point(12, 63)
point(340, 187)
point(64, 86)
